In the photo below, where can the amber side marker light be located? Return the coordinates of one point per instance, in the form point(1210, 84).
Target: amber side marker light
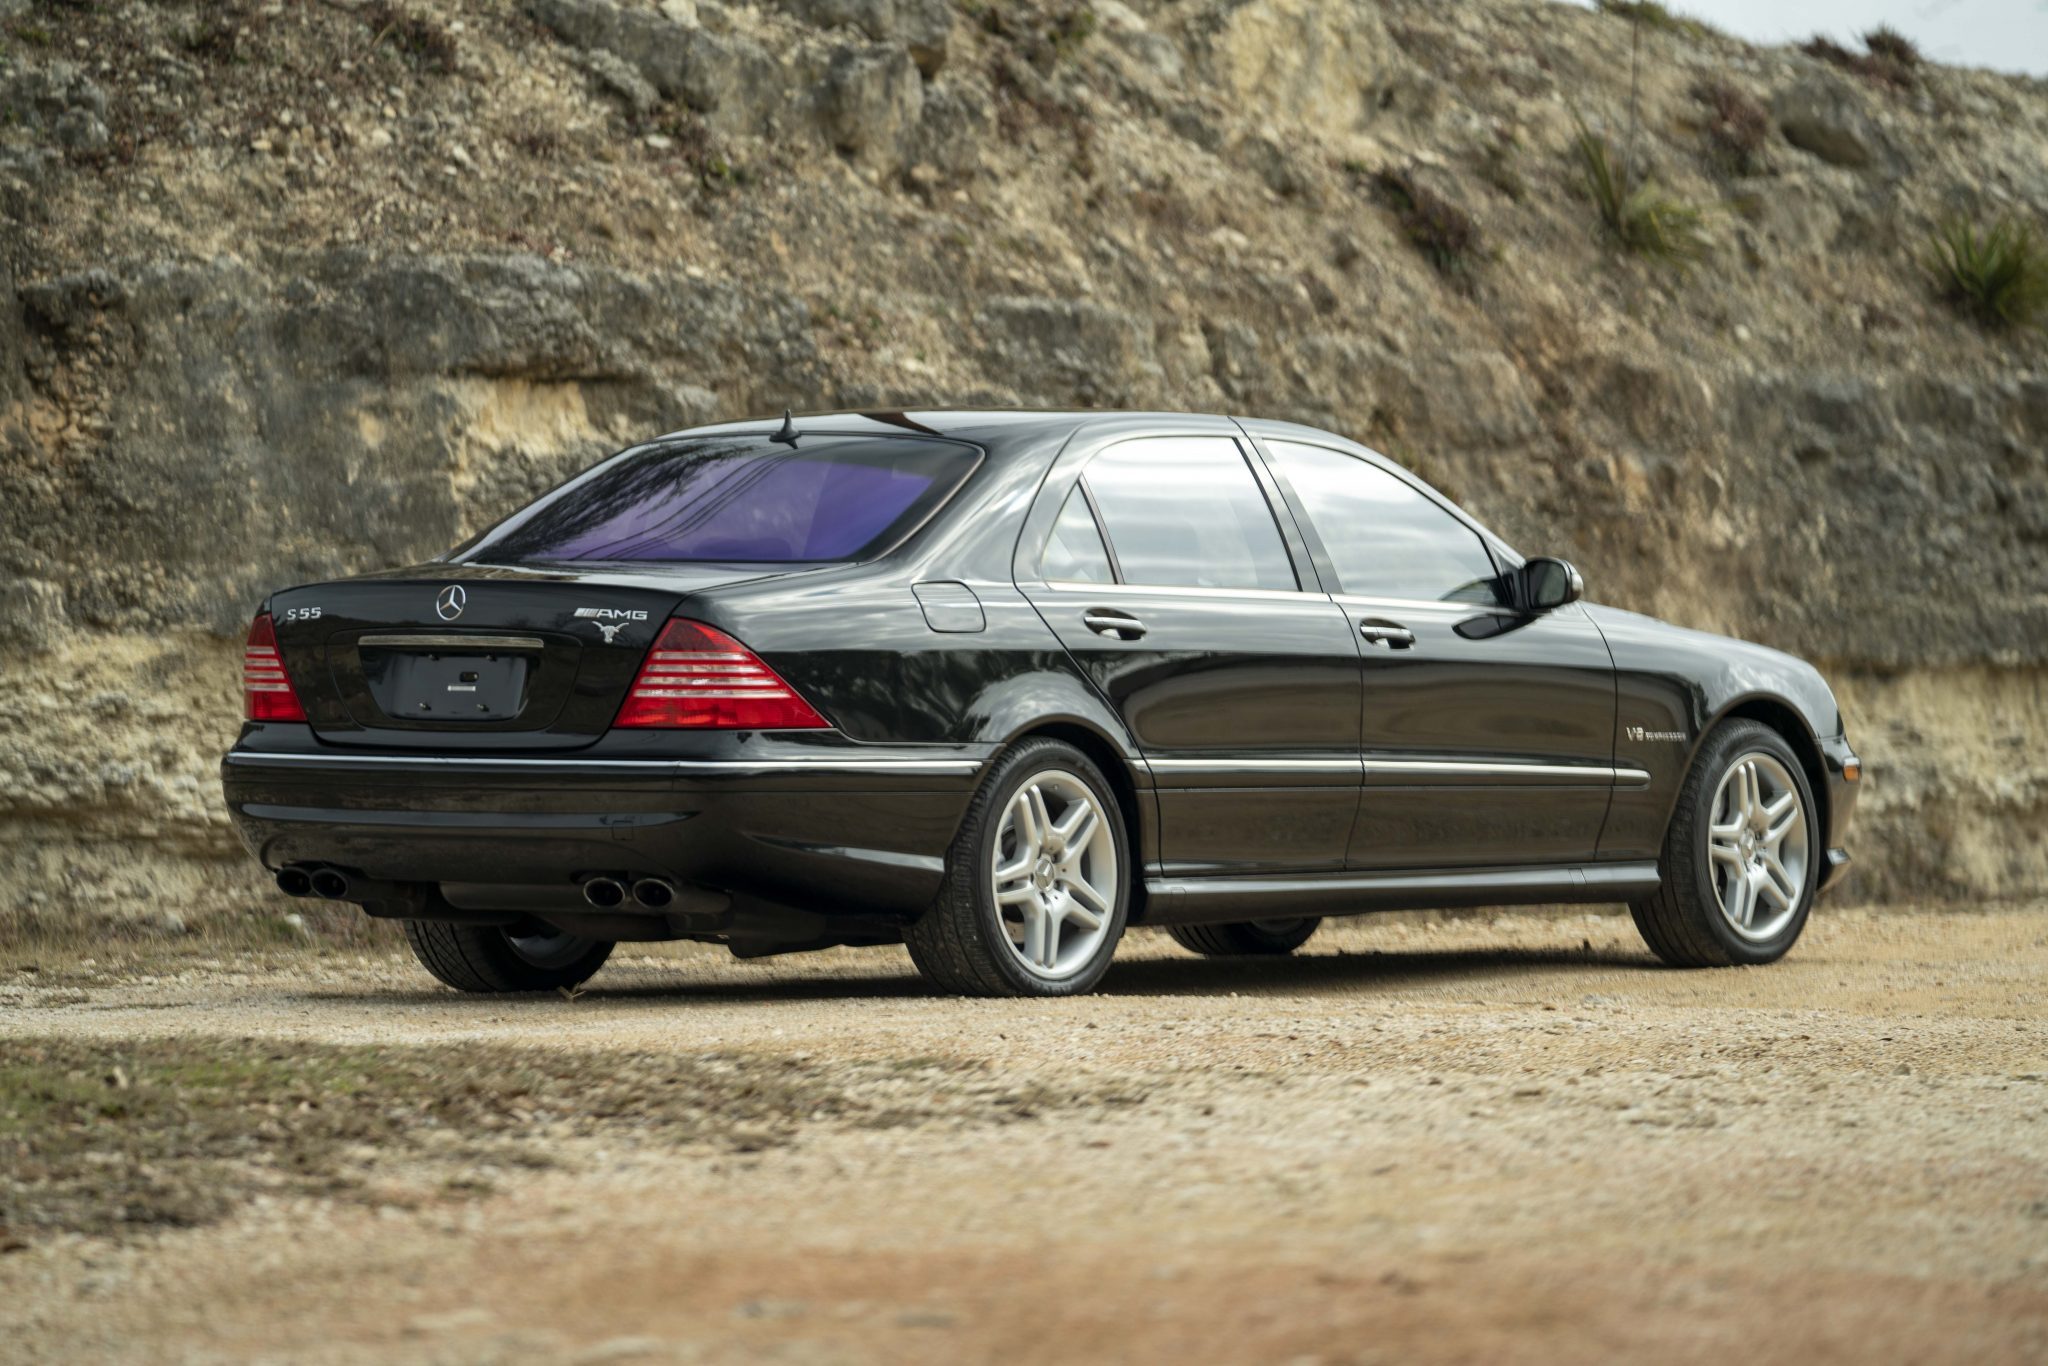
point(1852, 771)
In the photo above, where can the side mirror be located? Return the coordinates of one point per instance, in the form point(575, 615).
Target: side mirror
point(1548, 583)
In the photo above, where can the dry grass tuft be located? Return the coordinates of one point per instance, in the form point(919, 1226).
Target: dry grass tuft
point(1439, 229)
point(1738, 128)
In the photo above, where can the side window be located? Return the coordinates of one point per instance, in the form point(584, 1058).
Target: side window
point(1385, 538)
point(1186, 512)
point(1075, 553)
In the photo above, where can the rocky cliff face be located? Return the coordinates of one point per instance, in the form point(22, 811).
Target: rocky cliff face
point(288, 291)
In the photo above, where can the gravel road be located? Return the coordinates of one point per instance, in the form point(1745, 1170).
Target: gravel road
point(1500, 1140)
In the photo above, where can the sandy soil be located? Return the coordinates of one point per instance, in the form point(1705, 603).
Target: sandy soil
point(1485, 1141)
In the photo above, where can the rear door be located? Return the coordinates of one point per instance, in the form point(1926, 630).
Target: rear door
point(1170, 579)
point(1488, 733)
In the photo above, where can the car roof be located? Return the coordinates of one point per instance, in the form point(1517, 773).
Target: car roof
point(964, 424)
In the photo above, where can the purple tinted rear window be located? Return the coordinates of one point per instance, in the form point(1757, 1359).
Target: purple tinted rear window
point(743, 499)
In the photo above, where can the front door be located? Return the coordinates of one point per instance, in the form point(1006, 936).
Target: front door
point(1168, 578)
point(1488, 733)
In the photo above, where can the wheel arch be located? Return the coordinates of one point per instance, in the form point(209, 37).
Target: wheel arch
point(1778, 715)
point(1132, 799)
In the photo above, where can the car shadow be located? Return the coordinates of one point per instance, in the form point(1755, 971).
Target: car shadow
point(1307, 975)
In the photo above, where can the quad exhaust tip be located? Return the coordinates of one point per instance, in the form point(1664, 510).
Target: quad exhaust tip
point(654, 893)
point(330, 883)
point(604, 892)
point(294, 882)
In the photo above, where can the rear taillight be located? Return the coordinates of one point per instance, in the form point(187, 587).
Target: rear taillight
point(266, 690)
point(698, 677)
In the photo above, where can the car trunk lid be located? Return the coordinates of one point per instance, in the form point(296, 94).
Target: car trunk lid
point(479, 656)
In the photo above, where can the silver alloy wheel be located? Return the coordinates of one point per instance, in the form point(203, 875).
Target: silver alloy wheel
point(550, 948)
point(1758, 846)
point(1053, 872)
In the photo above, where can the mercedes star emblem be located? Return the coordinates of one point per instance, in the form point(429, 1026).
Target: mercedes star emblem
point(451, 602)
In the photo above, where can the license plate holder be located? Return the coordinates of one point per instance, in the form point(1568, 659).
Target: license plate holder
point(448, 685)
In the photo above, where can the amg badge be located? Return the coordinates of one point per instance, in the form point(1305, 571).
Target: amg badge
point(617, 617)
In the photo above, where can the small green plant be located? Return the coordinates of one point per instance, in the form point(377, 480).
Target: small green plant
point(1439, 229)
point(1644, 218)
point(1069, 30)
point(1998, 275)
point(1738, 129)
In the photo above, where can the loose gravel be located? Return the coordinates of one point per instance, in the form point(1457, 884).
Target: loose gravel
point(1493, 1140)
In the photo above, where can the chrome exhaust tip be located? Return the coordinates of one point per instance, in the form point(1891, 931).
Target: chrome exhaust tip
point(604, 892)
point(330, 883)
point(294, 882)
point(654, 893)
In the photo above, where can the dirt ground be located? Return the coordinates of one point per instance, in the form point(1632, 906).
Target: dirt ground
point(1503, 1140)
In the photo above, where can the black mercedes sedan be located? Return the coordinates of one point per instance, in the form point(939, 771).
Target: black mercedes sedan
point(998, 685)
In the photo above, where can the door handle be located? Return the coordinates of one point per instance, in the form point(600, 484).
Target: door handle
point(1105, 622)
point(1391, 634)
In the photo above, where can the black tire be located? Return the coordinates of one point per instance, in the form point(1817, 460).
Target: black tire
point(1683, 921)
point(485, 959)
point(962, 944)
point(1251, 938)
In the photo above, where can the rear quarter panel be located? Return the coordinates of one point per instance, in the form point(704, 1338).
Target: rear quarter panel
point(860, 646)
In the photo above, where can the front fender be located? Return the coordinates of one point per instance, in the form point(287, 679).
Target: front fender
point(1672, 687)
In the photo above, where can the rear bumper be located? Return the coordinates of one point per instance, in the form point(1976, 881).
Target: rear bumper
point(830, 828)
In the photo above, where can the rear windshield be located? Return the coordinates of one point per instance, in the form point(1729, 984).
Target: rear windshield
point(736, 499)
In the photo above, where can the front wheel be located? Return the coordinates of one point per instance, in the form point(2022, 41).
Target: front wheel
point(1742, 858)
point(487, 959)
point(1037, 882)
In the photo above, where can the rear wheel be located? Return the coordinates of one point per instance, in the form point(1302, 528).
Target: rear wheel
point(1250, 938)
point(485, 958)
point(1037, 882)
point(1741, 859)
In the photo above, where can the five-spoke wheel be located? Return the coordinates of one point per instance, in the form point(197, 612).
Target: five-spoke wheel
point(1036, 886)
point(1738, 870)
point(1055, 874)
point(1758, 845)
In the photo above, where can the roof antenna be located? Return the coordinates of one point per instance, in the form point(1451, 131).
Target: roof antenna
point(787, 432)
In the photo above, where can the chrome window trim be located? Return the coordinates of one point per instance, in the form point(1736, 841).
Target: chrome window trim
point(1177, 591)
point(1462, 609)
point(634, 766)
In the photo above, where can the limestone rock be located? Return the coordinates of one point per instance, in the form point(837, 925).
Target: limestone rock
point(1831, 119)
point(869, 102)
